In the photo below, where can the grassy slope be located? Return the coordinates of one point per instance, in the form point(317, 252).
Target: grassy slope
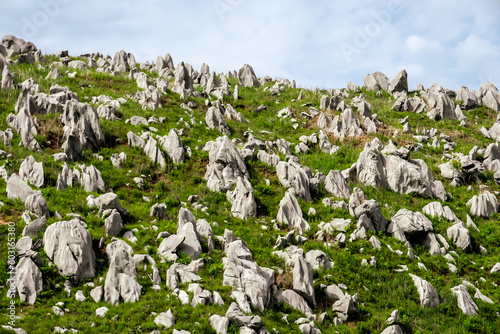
point(381, 289)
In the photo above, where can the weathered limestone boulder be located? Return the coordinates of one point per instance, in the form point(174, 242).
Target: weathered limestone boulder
point(428, 295)
point(437, 209)
point(290, 214)
point(65, 178)
point(81, 129)
point(16, 46)
point(33, 228)
point(483, 205)
point(69, 245)
point(242, 272)
point(173, 145)
point(394, 329)
point(219, 324)
point(292, 175)
point(336, 185)
point(134, 140)
point(399, 83)
point(107, 112)
point(32, 171)
point(33, 200)
point(225, 165)
point(154, 153)
point(411, 223)
point(158, 210)
point(121, 277)
point(169, 246)
point(346, 125)
point(295, 300)
point(165, 319)
point(89, 178)
point(242, 200)
point(29, 284)
point(318, 259)
point(391, 171)
point(142, 80)
point(303, 281)
point(460, 235)
point(464, 300)
point(470, 100)
point(440, 104)
point(246, 77)
point(191, 244)
point(346, 306)
point(183, 79)
point(376, 81)
point(215, 120)
point(123, 61)
point(7, 79)
point(359, 206)
point(113, 224)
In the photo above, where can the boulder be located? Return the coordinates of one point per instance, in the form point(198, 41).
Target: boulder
point(219, 323)
point(113, 224)
point(65, 178)
point(215, 120)
point(464, 300)
point(483, 205)
point(359, 206)
point(411, 223)
point(237, 317)
point(394, 329)
point(165, 319)
point(391, 171)
point(295, 300)
point(440, 104)
point(183, 83)
point(123, 61)
point(190, 245)
point(437, 209)
point(460, 235)
point(134, 140)
point(290, 213)
point(303, 281)
point(318, 259)
point(242, 200)
point(172, 144)
point(89, 178)
point(69, 245)
point(34, 227)
point(346, 307)
point(154, 153)
point(81, 129)
point(246, 77)
point(121, 277)
point(32, 171)
point(292, 175)
point(399, 83)
point(376, 81)
point(169, 246)
point(428, 295)
point(336, 185)
point(225, 165)
point(28, 280)
point(242, 272)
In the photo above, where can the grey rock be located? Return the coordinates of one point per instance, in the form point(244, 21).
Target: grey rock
point(121, 277)
point(81, 129)
point(295, 300)
point(428, 295)
point(411, 222)
point(34, 227)
point(154, 153)
point(437, 209)
point(69, 245)
point(32, 171)
point(464, 300)
point(65, 178)
point(292, 175)
point(90, 178)
point(215, 120)
point(237, 317)
point(113, 224)
point(190, 245)
point(246, 77)
point(483, 205)
point(440, 104)
point(376, 81)
point(101, 311)
point(97, 293)
point(242, 272)
point(346, 307)
point(359, 206)
point(159, 211)
point(303, 282)
point(29, 283)
point(290, 213)
point(134, 140)
point(219, 323)
point(165, 319)
point(242, 200)
point(173, 145)
point(460, 235)
point(317, 259)
point(336, 185)
point(225, 165)
point(394, 329)
point(399, 83)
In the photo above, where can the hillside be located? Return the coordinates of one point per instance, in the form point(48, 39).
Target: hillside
point(153, 198)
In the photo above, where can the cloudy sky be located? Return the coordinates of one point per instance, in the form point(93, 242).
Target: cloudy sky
point(321, 43)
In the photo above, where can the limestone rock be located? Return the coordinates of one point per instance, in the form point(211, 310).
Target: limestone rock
point(154, 153)
point(32, 171)
point(336, 185)
point(464, 300)
point(303, 282)
point(292, 175)
point(483, 205)
point(346, 307)
point(173, 145)
point(69, 245)
point(215, 120)
point(428, 295)
point(399, 83)
point(242, 200)
point(246, 77)
point(290, 213)
point(28, 280)
point(460, 235)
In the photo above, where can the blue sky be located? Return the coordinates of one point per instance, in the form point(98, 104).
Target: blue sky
point(320, 43)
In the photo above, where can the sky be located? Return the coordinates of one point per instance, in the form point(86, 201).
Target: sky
point(321, 43)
